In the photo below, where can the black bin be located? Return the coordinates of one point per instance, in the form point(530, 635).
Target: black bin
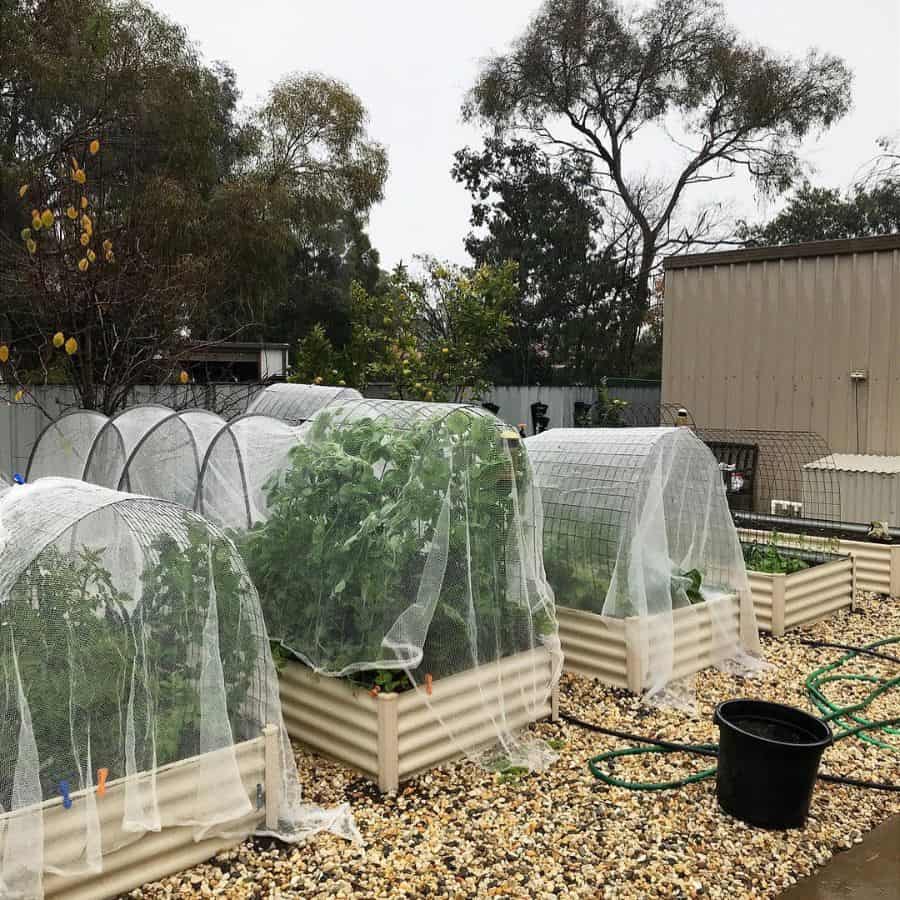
point(768, 761)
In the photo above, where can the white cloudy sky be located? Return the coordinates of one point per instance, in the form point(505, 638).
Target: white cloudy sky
point(411, 62)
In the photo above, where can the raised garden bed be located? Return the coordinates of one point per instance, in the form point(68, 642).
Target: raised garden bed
point(391, 737)
point(617, 651)
point(877, 564)
point(782, 602)
point(132, 859)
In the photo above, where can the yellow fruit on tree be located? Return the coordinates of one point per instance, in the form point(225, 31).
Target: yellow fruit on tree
point(58, 339)
point(95, 146)
point(4, 353)
point(71, 346)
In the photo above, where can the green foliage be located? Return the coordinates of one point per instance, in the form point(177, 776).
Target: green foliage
point(429, 337)
point(821, 214)
point(79, 640)
point(546, 215)
point(607, 411)
point(364, 499)
point(587, 77)
point(772, 559)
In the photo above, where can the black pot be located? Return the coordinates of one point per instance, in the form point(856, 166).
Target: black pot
point(768, 761)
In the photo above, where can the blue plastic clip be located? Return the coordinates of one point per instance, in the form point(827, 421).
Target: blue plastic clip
point(64, 790)
point(18, 479)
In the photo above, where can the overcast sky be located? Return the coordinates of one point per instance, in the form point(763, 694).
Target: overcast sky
point(411, 62)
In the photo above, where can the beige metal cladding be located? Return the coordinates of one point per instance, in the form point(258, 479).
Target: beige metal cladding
point(393, 737)
point(130, 859)
point(616, 651)
point(876, 566)
point(769, 337)
point(782, 602)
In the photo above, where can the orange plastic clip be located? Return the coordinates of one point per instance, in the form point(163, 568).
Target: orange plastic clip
point(429, 681)
point(376, 690)
point(101, 781)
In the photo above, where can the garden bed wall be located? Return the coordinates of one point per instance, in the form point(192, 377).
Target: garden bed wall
point(877, 565)
point(617, 651)
point(393, 737)
point(782, 602)
point(131, 860)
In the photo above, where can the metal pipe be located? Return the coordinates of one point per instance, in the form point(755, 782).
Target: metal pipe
point(801, 526)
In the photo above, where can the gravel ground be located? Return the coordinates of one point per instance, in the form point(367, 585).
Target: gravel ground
point(460, 832)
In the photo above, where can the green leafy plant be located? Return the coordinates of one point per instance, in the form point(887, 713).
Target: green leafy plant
point(79, 640)
point(365, 499)
point(772, 559)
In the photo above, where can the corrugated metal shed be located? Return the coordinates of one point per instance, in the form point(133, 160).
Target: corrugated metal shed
point(869, 486)
point(803, 337)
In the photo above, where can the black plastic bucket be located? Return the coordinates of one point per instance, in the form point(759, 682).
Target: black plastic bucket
point(768, 761)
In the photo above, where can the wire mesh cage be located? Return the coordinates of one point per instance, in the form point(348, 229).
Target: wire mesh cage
point(653, 415)
point(132, 640)
point(296, 403)
point(784, 492)
point(390, 536)
point(63, 447)
point(636, 524)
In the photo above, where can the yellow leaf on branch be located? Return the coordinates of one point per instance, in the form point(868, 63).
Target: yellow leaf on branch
point(23, 190)
point(72, 213)
point(85, 239)
point(47, 218)
point(84, 202)
point(184, 378)
point(58, 339)
point(92, 257)
point(94, 147)
point(20, 395)
point(4, 353)
point(79, 176)
point(71, 346)
point(82, 265)
point(31, 245)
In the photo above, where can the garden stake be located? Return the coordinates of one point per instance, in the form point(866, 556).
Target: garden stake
point(101, 781)
point(428, 684)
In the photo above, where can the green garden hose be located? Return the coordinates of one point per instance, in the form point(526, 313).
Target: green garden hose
point(848, 719)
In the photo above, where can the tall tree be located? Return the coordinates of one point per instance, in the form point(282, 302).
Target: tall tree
point(546, 215)
point(820, 214)
point(73, 73)
point(299, 208)
point(588, 77)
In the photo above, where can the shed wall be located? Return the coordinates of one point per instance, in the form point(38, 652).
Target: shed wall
point(751, 342)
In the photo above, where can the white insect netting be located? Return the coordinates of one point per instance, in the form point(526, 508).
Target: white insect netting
point(117, 440)
point(131, 639)
point(63, 447)
point(297, 403)
point(239, 461)
point(636, 523)
point(166, 460)
point(401, 537)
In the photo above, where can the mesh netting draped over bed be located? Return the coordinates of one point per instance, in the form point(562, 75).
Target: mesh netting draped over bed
point(636, 523)
point(296, 403)
point(165, 461)
point(400, 536)
point(131, 639)
point(239, 461)
point(63, 447)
